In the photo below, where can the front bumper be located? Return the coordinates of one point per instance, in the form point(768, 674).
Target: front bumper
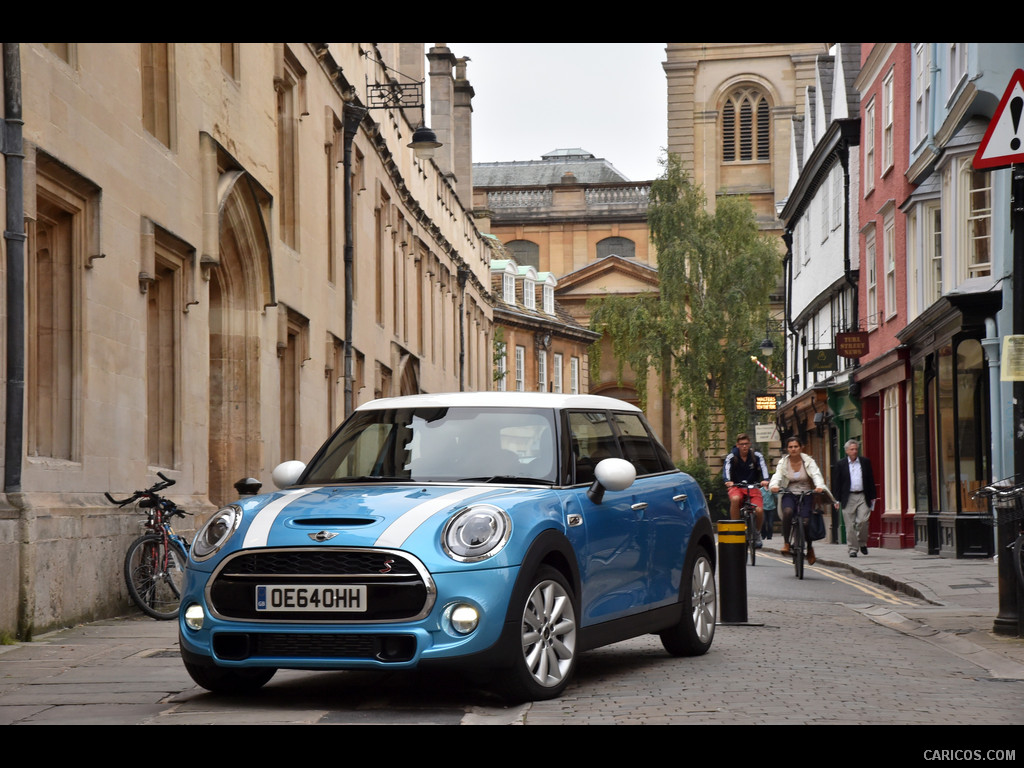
point(348, 643)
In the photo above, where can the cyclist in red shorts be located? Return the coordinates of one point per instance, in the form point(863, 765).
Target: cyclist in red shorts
point(743, 465)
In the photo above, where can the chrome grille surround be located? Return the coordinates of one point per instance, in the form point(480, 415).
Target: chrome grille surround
point(345, 565)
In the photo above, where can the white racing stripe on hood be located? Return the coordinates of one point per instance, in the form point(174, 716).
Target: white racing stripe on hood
point(396, 533)
point(259, 529)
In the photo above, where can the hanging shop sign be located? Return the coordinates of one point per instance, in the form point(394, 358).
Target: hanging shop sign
point(766, 403)
point(821, 360)
point(852, 344)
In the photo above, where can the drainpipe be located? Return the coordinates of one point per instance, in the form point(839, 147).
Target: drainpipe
point(352, 116)
point(14, 236)
point(462, 276)
point(787, 268)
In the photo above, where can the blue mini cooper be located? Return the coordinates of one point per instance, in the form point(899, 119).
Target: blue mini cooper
point(500, 531)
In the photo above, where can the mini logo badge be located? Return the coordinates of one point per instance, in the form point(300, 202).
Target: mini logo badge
point(322, 536)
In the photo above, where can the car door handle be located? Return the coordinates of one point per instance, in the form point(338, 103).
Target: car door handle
point(680, 497)
point(640, 505)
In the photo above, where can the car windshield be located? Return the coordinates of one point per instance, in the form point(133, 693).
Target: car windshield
point(441, 445)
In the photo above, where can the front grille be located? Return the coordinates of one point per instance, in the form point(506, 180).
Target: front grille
point(398, 588)
point(323, 561)
point(238, 646)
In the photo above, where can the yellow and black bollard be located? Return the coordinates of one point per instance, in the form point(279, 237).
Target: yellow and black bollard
point(732, 571)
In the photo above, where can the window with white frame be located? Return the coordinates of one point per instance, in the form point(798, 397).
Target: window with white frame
point(542, 371)
point(508, 288)
point(932, 251)
point(520, 369)
point(889, 255)
point(887, 123)
point(975, 206)
point(871, 282)
point(869, 146)
point(922, 81)
point(556, 374)
point(529, 293)
point(826, 206)
point(574, 375)
point(957, 65)
point(837, 196)
point(502, 373)
point(548, 293)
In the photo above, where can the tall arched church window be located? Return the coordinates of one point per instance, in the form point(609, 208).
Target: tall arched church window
point(746, 126)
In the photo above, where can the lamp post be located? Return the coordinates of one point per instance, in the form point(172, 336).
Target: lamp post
point(392, 95)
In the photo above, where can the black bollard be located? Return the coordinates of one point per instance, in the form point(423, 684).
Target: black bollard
point(732, 571)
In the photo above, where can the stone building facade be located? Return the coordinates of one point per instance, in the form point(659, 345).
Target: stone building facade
point(225, 252)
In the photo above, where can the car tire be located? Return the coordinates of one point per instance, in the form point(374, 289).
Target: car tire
point(693, 635)
point(545, 647)
point(229, 681)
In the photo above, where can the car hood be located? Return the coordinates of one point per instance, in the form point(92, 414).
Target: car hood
point(389, 516)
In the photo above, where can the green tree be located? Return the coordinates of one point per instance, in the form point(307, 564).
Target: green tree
point(716, 273)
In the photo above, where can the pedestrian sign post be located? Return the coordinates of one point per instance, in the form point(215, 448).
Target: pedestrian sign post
point(1003, 144)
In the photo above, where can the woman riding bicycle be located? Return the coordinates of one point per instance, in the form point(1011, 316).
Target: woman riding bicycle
point(796, 472)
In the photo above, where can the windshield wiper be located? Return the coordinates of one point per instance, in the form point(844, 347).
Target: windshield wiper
point(505, 479)
point(373, 479)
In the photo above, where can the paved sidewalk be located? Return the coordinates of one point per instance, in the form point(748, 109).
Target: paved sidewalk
point(962, 595)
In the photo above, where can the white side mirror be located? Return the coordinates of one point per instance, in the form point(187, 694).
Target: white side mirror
point(286, 474)
point(611, 475)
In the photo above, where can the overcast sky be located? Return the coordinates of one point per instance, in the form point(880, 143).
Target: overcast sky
point(606, 98)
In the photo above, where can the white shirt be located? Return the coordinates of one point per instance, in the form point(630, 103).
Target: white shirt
point(856, 478)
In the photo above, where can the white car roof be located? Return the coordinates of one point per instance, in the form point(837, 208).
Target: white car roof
point(500, 399)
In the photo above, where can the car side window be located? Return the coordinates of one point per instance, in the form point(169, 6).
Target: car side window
point(638, 445)
point(592, 440)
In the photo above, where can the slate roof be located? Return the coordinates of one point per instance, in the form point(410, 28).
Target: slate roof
point(548, 170)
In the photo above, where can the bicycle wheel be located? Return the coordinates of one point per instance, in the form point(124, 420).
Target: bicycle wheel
point(798, 545)
point(154, 571)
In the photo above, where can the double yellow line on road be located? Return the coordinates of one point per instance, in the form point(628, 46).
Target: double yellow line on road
point(880, 593)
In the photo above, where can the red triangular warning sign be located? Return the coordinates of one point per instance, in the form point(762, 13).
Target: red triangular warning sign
point(1003, 144)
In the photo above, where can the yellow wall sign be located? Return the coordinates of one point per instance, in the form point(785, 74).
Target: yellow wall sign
point(766, 403)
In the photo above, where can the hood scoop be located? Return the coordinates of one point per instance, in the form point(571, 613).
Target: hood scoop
point(332, 522)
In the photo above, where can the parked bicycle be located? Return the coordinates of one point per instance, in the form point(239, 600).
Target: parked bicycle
point(154, 566)
point(1006, 498)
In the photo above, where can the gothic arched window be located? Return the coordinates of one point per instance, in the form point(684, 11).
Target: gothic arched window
point(746, 126)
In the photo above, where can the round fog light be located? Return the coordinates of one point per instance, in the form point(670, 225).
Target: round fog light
point(465, 619)
point(194, 616)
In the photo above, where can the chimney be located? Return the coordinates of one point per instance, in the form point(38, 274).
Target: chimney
point(442, 105)
point(410, 64)
point(462, 150)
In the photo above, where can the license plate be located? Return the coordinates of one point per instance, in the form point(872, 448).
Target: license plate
point(312, 597)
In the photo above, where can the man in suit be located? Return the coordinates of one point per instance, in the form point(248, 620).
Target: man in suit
point(853, 486)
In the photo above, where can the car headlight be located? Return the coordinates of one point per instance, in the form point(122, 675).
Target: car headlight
point(216, 532)
point(476, 533)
